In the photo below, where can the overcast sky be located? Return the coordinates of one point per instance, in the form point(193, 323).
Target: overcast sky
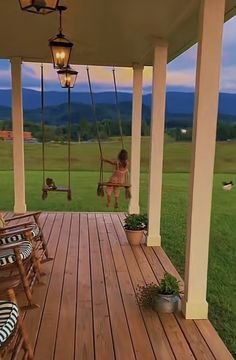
point(180, 77)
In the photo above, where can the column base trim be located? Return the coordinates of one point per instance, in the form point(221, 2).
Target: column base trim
point(195, 310)
point(134, 209)
point(20, 209)
point(154, 240)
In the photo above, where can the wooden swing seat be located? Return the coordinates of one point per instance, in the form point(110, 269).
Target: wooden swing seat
point(58, 188)
point(114, 185)
point(46, 189)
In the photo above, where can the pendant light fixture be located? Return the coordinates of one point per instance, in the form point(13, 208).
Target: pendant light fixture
point(67, 77)
point(39, 6)
point(60, 46)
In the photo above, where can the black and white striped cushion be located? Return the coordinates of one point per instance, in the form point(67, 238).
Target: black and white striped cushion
point(35, 232)
point(8, 319)
point(8, 256)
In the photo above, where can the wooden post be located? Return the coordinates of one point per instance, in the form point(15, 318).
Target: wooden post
point(211, 23)
point(18, 137)
point(136, 138)
point(157, 143)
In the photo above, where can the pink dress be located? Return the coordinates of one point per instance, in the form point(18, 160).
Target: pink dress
point(118, 177)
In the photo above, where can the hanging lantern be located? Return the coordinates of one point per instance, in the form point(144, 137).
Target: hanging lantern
point(39, 6)
point(60, 46)
point(61, 50)
point(67, 77)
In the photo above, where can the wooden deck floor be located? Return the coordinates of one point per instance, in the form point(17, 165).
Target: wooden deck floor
point(88, 307)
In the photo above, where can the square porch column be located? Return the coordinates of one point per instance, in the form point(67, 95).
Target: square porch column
point(18, 137)
point(157, 143)
point(211, 23)
point(136, 138)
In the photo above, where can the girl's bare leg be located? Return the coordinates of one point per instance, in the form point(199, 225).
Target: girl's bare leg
point(108, 200)
point(116, 202)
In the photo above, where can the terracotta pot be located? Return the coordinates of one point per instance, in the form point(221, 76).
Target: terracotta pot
point(134, 237)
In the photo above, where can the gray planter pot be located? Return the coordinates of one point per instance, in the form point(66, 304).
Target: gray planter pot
point(166, 303)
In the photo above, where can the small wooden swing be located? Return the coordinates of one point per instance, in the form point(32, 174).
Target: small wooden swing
point(48, 183)
point(101, 182)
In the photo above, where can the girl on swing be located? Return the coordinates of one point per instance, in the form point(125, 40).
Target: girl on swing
point(118, 177)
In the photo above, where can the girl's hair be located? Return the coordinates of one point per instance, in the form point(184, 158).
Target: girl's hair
point(123, 157)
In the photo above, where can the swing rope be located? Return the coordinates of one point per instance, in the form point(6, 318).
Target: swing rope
point(101, 183)
point(42, 122)
point(118, 108)
point(99, 191)
point(49, 184)
point(127, 188)
point(69, 145)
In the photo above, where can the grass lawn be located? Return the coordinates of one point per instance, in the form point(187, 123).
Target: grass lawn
point(85, 156)
point(222, 280)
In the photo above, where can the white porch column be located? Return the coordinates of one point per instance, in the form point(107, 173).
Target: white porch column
point(195, 305)
point(18, 137)
point(136, 138)
point(157, 143)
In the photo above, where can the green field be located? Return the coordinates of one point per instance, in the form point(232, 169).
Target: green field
point(85, 156)
point(222, 280)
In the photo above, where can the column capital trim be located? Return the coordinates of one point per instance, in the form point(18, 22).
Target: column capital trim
point(160, 42)
point(16, 59)
point(137, 66)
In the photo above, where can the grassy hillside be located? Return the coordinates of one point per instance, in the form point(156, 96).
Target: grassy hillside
point(85, 156)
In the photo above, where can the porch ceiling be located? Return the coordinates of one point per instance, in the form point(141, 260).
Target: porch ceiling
point(104, 32)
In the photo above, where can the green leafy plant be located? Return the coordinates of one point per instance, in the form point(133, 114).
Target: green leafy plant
point(146, 294)
point(169, 285)
point(136, 222)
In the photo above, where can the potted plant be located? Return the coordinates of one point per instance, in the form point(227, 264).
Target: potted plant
point(135, 225)
point(163, 298)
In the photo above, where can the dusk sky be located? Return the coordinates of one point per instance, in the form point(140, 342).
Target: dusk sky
point(180, 77)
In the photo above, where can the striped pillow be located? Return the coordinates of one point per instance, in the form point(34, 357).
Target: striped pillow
point(8, 320)
point(8, 256)
point(35, 232)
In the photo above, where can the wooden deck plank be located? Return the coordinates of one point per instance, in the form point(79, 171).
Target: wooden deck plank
point(154, 262)
point(45, 344)
point(196, 342)
point(167, 264)
point(174, 333)
point(84, 342)
point(66, 326)
point(141, 342)
point(102, 330)
point(33, 318)
point(120, 330)
point(88, 306)
point(155, 330)
point(213, 340)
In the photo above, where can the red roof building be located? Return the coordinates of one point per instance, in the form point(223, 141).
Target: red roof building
point(8, 135)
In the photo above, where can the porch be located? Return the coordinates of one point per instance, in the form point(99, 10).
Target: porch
point(88, 307)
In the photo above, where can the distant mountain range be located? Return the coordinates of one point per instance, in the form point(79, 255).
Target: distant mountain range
point(179, 106)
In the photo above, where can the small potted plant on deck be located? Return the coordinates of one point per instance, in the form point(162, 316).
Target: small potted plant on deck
point(163, 298)
point(135, 225)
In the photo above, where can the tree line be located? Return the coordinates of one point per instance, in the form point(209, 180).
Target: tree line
point(225, 131)
point(83, 131)
point(86, 130)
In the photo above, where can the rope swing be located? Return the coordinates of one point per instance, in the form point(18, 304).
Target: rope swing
point(48, 183)
point(101, 183)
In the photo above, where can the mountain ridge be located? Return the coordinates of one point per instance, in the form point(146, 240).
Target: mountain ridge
point(176, 102)
point(179, 106)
